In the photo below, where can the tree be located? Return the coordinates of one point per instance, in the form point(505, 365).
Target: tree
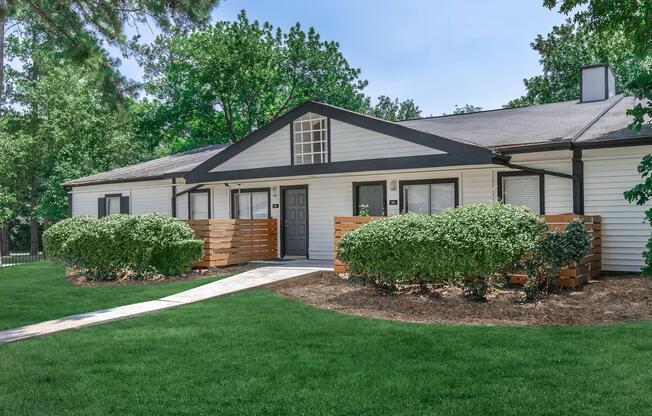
point(79, 28)
point(63, 130)
point(627, 18)
point(223, 82)
point(466, 108)
point(566, 49)
point(393, 110)
point(632, 20)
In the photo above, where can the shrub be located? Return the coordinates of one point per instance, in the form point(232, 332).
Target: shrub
point(470, 243)
point(641, 194)
point(139, 246)
point(559, 249)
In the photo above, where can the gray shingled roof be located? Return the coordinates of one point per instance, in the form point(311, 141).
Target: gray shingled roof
point(154, 169)
point(545, 123)
point(496, 129)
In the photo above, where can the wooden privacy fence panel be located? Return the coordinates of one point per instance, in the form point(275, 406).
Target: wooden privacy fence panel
point(342, 226)
point(228, 242)
point(589, 267)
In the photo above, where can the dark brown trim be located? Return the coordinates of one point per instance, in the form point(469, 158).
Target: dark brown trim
point(140, 179)
point(578, 182)
point(185, 191)
point(282, 217)
point(199, 191)
point(401, 185)
point(608, 143)
point(542, 186)
point(70, 198)
point(174, 198)
point(409, 162)
point(471, 153)
point(250, 190)
point(356, 186)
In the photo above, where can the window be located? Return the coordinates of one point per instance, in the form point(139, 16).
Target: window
point(310, 139)
point(112, 204)
point(199, 204)
point(430, 196)
point(522, 189)
point(372, 195)
point(250, 204)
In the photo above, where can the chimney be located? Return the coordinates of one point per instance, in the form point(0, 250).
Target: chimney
point(597, 83)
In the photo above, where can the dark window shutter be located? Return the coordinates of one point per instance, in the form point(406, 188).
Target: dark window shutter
point(70, 204)
point(101, 207)
point(124, 205)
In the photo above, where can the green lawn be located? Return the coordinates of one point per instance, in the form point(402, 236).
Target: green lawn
point(256, 353)
point(36, 292)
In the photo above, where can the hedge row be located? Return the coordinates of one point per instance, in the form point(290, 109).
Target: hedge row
point(139, 246)
point(468, 242)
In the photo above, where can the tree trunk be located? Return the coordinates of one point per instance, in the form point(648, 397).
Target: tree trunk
point(4, 240)
point(2, 63)
point(33, 228)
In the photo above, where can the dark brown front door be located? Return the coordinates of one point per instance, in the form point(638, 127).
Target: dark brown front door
point(295, 221)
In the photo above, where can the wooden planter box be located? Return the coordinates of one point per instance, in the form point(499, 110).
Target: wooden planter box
point(576, 275)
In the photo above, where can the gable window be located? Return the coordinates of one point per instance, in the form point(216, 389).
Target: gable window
point(310, 139)
point(429, 196)
point(522, 189)
point(199, 207)
point(250, 204)
point(112, 204)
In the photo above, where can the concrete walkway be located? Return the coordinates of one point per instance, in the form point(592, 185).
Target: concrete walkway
point(273, 273)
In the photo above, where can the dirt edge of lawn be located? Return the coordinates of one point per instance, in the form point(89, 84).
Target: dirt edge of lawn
point(78, 279)
point(606, 300)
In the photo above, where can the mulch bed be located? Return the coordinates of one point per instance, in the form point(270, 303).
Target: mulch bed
point(195, 274)
point(607, 300)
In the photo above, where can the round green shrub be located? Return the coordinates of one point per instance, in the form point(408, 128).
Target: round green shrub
point(467, 242)
point(139, 245)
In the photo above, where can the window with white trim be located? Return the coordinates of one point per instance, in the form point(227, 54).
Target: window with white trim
point(310, 139)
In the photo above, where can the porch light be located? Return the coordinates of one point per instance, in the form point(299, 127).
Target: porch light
point(274, 191)
point(392, 185)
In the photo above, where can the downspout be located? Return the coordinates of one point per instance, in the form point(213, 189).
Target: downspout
point(174, 198)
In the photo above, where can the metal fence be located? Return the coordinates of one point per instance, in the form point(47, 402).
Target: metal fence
point(18, 245)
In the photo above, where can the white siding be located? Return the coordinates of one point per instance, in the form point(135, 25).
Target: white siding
point(349, 142)
point(607, 174)
point(477, 186)
point(151, 200)
point(273, 150)
point(144, 197)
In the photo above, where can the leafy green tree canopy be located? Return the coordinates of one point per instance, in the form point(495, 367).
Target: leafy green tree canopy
point(566, 49)
point(466, 108)
point(393, 110)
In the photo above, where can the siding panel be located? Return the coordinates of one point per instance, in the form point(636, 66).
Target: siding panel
point(273, 150)
point(607, 174)
point(349, 142)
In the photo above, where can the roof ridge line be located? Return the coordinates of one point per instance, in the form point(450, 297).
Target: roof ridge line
point(595, 119)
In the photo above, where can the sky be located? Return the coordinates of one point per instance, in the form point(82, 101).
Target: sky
point(439, 53)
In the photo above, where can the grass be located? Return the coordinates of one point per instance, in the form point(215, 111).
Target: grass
point(36, 292)
point(258, 353)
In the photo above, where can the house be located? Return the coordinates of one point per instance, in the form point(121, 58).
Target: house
point(318, 161)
